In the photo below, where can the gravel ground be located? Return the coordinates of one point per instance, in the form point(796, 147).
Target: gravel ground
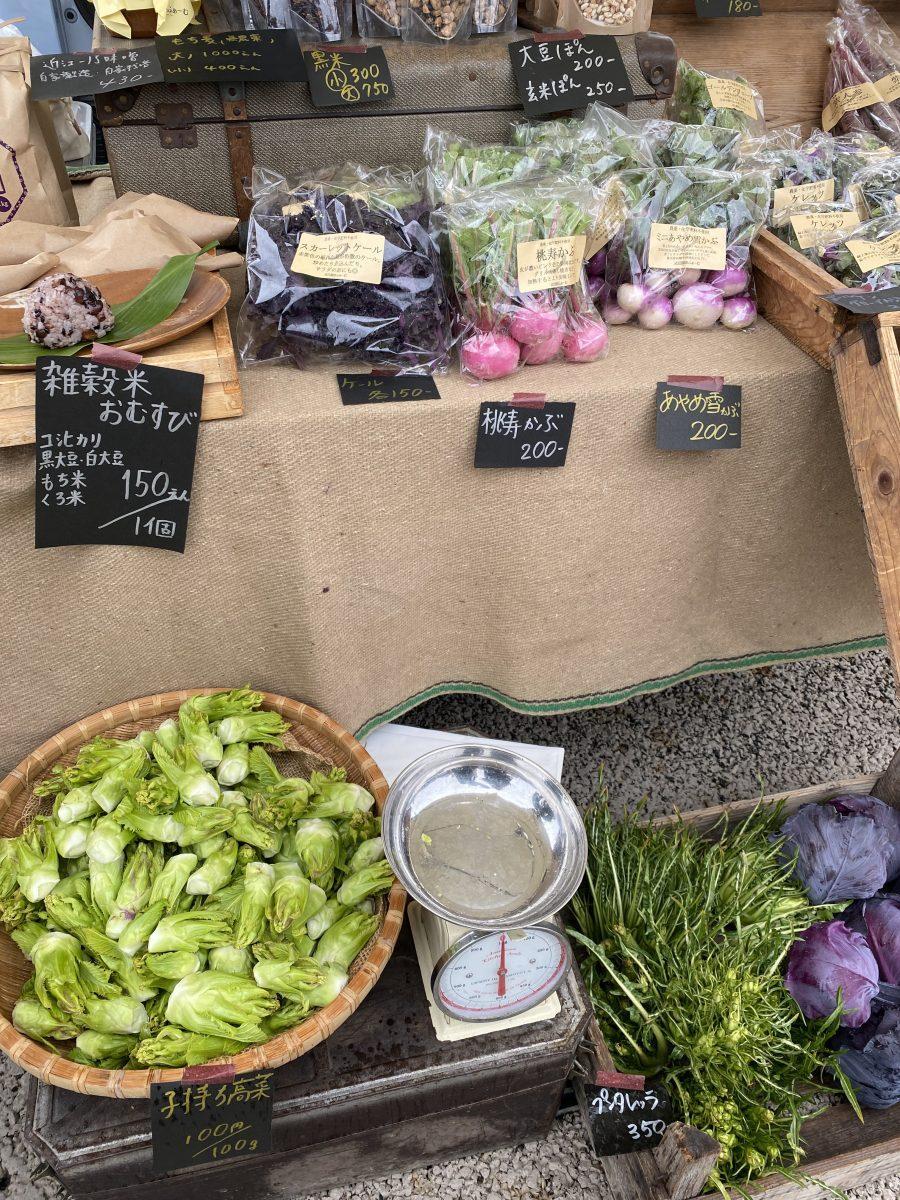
point(721, 738)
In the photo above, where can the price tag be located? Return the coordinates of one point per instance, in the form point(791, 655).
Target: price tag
point(527, 434)
point(728, 8)
point(382, 389)
point(692, 417)
point(55, 75)
point(623, 1118)
point(115, 446)
point(887, 300)
point(211, 1119)
point(342, 78)
point(553, 75)
point(268, 55)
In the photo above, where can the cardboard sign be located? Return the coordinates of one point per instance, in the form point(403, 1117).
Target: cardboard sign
point(382, 389)
point(523, 435)
point(887, 300)
point(346, 78)
point(115, 447)
point(269, 55)
point(682, 247)
point(727, 8)
point(621, 1120)
point(698, 418)
point(55, 75)
point(211, 1120)
point(549, 262)
point(555, 75)
point(860, 95)
point(732, 94)
point(355, 257)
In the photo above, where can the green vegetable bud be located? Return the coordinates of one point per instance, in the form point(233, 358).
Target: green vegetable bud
point(340, 800)
point(335, 981)
point(291, 979)
point(318, 898)
point(170, 882)
point(141, 869)
point(156, 795)
point(341, 943)
point(108, 839)
point(123, 968)
point(76, 804)
point(235, 765)
point(61, 976)
point(105, 879)
point(316, 844)
point(27, 934)
point(173, 1047)
point(246, 829)
point(174, 964)
point(259, 879)
point(200, 824)
point(366, 853)
point(195, 930)
point(136, 934)
point(209, 846)
point(233, 703)
point(167, 735)
point(39, 1023)
point(197, 735)
point(70, 913)
point(71, 840)
point(110, 788)
point(253, 727)
point(288, 900)
point(370, 881)
point(231, 960)
point(151, 826)
point(37, 860)
point(110, 1051)
point(330, 912)
point(220, 1004)
point(119, 1015)
point(183, 769)
point(234, 799)
point(215, 872)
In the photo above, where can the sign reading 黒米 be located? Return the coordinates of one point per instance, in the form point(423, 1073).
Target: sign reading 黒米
point(269, 55)
point(698, 417)
point(55, 75)
point(115, 447)
point(342, 77)
point(524, 434)
point(210, 1119)
point(554, 74)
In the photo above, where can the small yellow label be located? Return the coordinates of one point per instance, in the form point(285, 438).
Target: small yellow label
point(549, 262)
point(294, 210)
point(889, 87)
point(802, 193)
point(731, 93)
point(349, 256)
point(861, 95)
point(872, 255)
point(679, 247)
point(808, 227)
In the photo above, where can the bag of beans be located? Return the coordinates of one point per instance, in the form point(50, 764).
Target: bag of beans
point(442, 21)
point(379, 18)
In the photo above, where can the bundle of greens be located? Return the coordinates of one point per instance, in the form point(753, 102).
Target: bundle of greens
point(866, 256)
point(853, 152)
point(175, 869)
point(457, 166)
point(709, 146)
point(708, 98)
point(864, 52)
point(682, 947)
point(593, 148)
point(878, 186)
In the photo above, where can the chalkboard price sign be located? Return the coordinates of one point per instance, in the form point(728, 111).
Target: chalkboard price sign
point(55, 75)
point(344, 77)
point(115, 453)
point(359, 388)
point(887, 300)
point(211, 1119)
point(553, 75)
point(511, 435)
point(621, 1120)
point(698, 418)
point(270, 55)
point(728, 8)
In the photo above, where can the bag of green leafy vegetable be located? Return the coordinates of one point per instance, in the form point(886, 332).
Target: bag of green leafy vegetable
point(721, 98)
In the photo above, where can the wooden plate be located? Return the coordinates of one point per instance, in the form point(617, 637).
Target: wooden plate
point(206, 295)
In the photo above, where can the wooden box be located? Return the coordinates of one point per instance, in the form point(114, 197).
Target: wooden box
point(841, 1151)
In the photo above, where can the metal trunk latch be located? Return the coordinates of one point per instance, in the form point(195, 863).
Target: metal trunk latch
point(176, 125)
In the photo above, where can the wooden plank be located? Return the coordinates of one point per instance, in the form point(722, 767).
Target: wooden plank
point(208, 350)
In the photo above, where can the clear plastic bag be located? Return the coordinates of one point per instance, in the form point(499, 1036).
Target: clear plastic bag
point(315, 20)
point(401, 322)
point(855, 151)
point(593, 148)
point(808, 227)
point(843, 257)
point(865, 54)
point(494, 16)
point(457, 166)
point(441, 21)
point(503, 244)
point(704, 203)
point(379, 18)
point(876, 188)
point(722, 98)
point(708, 146)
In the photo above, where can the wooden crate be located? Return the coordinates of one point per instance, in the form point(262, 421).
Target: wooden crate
point(841, 1151)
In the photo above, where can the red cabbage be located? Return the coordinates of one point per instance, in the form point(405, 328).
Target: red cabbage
point(839, 857)
point(884, 815)
point(870, 1057)
point(827, 959)
point(882, 919)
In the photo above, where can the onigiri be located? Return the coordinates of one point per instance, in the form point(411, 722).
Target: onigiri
point(63, 310)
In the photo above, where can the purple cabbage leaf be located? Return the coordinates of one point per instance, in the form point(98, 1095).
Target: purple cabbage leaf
point(885, 816)
point(838, 856)
point(882, 922)
point(870, 1057)
point(831, 964)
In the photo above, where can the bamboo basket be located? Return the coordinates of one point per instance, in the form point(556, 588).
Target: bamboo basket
point(316, 734)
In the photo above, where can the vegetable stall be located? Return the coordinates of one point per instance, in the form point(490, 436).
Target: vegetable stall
point(443, 271)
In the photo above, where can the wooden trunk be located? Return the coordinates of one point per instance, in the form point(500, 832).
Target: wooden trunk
point(841, 1151)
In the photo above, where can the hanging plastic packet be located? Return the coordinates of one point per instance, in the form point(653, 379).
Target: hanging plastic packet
point(379, 18)
point(517, 262)
point(683, 253)
point(866, 257)
point(494, 16)
point(457, 166)
point(722, 98)
point(314, 20)
point(342, 264)
point(440, 21)
point(862, 86)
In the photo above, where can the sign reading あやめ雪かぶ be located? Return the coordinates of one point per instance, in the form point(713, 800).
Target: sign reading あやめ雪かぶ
point(698, 418)
point(115, 447)
point(557, 74)
point(210, 1119)
point(55, 75)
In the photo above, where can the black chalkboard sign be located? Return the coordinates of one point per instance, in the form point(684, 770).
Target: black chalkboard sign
point(344, 78)
point(115, 453)
point(381, 389)
point(887, 300)
point(210, 1120)
point(54, 75)
point(728, 8)
point(554, 75)
point(513, 435)
point(620, 1119)
point(698, 418)
point(267, 54)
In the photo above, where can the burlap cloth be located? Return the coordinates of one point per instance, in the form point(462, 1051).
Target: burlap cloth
point(353, 557)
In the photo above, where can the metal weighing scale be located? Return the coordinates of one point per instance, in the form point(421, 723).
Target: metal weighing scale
point(490, 847)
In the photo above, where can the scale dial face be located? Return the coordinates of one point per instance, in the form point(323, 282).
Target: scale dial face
point(489, 976)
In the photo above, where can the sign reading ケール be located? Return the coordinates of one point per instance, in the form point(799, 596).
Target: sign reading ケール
point(115, 446)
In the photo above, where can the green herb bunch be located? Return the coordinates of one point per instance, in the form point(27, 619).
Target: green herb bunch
point(691, 103)
point(682, 944)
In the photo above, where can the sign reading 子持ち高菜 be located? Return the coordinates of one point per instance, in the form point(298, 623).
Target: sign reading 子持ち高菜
point(698, 418)
point(211, 1119)
point(728, 8)
point(555, 74)
point(359, 388)
point(622, 1119)
point(342, 77)
point(524, 435)
point(55, 75)
point(114, 463)
point(269, 55)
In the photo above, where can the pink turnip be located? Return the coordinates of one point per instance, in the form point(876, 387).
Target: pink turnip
point(656, 313)
point(587, 341)
point(533, 324)
point(739, 312)
point(545, 351)
point(730, 282)
point(489, 355)
point(613, 314)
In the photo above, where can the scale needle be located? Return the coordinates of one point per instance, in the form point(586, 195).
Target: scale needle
point(501, 974)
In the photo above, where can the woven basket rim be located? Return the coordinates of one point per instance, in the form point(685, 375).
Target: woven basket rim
point(287, 1046)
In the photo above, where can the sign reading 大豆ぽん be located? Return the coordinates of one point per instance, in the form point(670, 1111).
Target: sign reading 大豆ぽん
point(556, 74)
point(115, 448)
point(210, 1120)
point(55, 75)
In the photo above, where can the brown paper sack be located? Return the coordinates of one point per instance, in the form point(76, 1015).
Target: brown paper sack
point(33, 181)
